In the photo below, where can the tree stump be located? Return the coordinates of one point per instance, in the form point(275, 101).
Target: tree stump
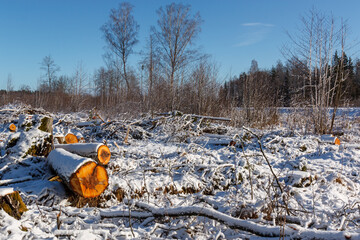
point(11, 202)
point(33, 137)
point(81, 175)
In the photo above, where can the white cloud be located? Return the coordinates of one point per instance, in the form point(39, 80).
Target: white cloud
point(255, 24)
point(251, 37)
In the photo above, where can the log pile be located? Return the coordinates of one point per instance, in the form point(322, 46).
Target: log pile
point(82, 175)
point(79, 165)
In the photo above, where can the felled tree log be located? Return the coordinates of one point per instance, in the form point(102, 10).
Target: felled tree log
point(330, 139)
point(12, 127)
point(82, 175)
point(98, 151)
point(71, 138)
point(11, 202)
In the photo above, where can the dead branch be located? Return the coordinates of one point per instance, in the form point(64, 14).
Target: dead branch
point(15, 180)
point(260, 230)
point(266, 159)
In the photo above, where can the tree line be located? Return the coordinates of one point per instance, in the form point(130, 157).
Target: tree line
point(174, 74)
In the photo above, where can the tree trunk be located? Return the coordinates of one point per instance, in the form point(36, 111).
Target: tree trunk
point(11, 202)
point(98, 151)
point(82, 175)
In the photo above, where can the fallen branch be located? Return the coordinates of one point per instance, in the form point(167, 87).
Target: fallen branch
point(15, 180)
point(196, 116)
point(260, 230)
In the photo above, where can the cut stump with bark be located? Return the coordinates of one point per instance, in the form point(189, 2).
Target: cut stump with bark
point(71, 138)
point(11, 202)
point(32, 138)
point(100, 152)
point(82, 175)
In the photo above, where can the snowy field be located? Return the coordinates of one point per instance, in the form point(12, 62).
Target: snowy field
point(179, 177)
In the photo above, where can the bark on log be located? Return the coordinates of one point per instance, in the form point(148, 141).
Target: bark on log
point(82, 175)
point(11, 202)
point(71, 138)
point(98, 151)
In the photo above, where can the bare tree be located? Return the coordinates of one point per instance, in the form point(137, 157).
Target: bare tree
point(9, 84)
point(50, 69)
point(312, 50)
point(78, 87)
point(203, 81)
point(176, 31)
point(120, 33)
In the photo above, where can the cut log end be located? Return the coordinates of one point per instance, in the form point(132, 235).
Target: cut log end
point(90, 180)
point(12, 127)
point(71, 138)
point(104, 154)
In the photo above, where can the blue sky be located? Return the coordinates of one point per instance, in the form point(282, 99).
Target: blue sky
point(234, 32)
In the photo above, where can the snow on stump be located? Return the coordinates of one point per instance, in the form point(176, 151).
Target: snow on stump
point(81, 175)
point(330, 139)
point(100, 152)
point(71, 138)
point(11, 202)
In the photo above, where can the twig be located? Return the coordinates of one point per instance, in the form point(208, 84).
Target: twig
point(249, 168)
point(266, 159)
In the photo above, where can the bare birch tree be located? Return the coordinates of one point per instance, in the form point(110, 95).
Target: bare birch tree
point(50, 69)
point(120, 33)
point(176, 30)
point(312, 49)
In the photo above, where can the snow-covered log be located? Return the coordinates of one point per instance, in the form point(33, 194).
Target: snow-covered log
point(330, 139)
point(260, 230)
point(98, 151)
point(11, 202)
point(82, 175)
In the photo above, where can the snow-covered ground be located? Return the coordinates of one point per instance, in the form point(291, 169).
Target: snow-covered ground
point(181, 178)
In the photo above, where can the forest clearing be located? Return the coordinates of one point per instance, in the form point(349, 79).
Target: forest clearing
point(179, 176)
